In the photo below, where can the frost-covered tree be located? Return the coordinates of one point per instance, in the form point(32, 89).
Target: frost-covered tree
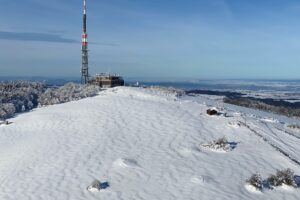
point(7, 110)
point(68, 92)
point(22, 95)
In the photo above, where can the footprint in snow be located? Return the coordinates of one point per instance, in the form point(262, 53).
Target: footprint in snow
point(204, 179)
point(234, 124)
point(125, 163)
point(187, 151)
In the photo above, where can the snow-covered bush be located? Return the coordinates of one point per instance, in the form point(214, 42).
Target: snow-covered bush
point(294, 126)
point(282, 177)
point(220, 144)
point(68, 92)
point(97, 186)
point(256, 181)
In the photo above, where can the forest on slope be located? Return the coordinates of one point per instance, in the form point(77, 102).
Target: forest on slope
point(22, 96)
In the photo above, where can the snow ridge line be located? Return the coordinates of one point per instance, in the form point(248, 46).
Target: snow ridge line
point(270, 143)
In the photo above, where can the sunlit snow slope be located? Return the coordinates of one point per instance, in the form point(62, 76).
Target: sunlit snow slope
point(146, 144)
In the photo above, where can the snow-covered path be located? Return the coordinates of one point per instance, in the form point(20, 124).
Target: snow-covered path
point(145, 144)
point(282, 140)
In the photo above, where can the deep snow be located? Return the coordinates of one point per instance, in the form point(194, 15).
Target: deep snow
point(147, 145)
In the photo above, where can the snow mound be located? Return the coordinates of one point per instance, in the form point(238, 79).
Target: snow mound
point(285, 187)
point(166, 91)
point(126, 162)
point(252, 189)
point(187, 151)
point(234, 124)
point(204, 179)
point(142, 141)
point(270, 120)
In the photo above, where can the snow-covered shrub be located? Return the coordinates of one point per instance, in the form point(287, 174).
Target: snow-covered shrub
point(220, 144)
point(68, 92)
point(294, 126)
point(282, 177)
point(97, 186)
point(168, 91)
point(256, 181)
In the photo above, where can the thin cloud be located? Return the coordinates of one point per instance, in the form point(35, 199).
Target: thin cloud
point(45, 37)
point(109, 44)
point(38, 37)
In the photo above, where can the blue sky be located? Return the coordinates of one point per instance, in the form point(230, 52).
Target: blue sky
point(205, 39)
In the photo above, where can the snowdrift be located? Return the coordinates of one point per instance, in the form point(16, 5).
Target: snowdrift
point(143, 144)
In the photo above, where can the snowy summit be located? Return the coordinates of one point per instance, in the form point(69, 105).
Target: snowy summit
point(146, 143)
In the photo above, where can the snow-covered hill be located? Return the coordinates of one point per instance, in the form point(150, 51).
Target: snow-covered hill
point(146, 144)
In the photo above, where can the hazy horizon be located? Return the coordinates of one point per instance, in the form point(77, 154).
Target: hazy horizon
point(150, 79)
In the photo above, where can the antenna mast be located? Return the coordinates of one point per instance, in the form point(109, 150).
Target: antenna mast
point(85, 65)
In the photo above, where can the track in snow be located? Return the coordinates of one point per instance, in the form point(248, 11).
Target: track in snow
point(276, 147)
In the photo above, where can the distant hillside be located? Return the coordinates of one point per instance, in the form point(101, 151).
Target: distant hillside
point(267, 104)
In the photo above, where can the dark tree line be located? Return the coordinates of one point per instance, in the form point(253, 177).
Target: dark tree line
point(279, 108)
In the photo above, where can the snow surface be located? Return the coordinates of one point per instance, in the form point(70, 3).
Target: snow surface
point(145, 144)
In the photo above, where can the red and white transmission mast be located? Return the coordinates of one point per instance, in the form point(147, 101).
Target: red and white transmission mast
point(85, 61)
